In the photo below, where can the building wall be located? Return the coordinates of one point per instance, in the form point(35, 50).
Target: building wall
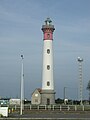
point(47, 97)
point(36, 98)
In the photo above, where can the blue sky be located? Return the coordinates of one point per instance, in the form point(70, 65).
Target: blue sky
point(20, 32)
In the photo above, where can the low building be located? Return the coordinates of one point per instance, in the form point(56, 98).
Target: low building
point(36, 97)
point(14, 101)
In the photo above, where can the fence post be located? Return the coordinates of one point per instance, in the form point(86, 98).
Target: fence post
point(38, 107)
point(49, 107)
point(68, 108)
point(30, 107)
point(53, 107)
point(15, 107)
point(83, 107)
point(75, 108)
point(60, 108)
point(45, 107)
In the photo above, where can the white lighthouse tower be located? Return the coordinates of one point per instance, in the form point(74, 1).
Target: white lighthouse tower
point(48, 93)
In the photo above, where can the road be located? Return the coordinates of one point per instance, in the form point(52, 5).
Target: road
point(52, 115)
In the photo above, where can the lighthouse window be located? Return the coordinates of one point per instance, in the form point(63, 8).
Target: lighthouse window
point(48, 83)
point(48, 36)
point(48, 51)
point(48, 67)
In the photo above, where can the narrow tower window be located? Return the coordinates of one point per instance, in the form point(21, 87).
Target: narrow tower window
point(48, 83)
point(48, 67)
point(48, 36)
point(48, 51)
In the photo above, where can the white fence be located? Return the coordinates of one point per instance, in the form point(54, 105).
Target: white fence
point(53, 107)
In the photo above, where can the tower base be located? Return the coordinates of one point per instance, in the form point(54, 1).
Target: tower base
point(47, 97)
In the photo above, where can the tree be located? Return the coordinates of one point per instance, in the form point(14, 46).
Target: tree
point(59, 101)
point(88, 88)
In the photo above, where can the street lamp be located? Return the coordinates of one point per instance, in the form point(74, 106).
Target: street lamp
point(22, 86)
point(64, 92)
point(80, 60)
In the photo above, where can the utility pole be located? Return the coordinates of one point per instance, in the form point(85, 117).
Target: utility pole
point(22, 86)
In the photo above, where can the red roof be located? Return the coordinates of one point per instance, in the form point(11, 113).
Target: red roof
point(39, 90)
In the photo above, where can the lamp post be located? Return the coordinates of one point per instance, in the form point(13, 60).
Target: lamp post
point(64, 91)
point(80, 60)
point(22, 86)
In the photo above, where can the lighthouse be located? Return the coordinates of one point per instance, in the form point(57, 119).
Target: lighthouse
point(48, 92)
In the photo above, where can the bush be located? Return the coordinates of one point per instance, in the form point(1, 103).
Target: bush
point(1, 115)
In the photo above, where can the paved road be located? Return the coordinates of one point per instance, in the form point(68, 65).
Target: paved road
point(53, 115)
